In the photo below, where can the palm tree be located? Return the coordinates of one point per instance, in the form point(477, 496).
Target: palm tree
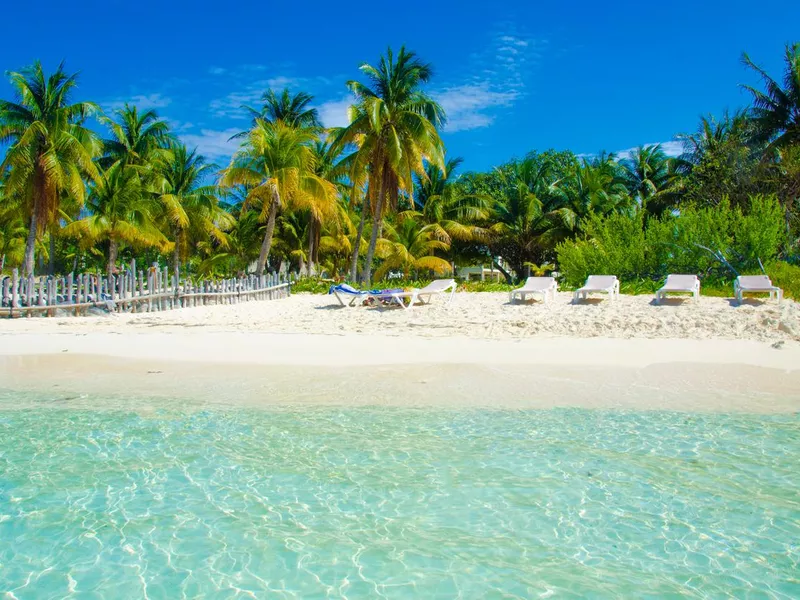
point(119, 213)
point(394, 125)
point(650, 176)
point(12, 231)
point(528, 216)
point(776, 110)
point(192, 209)
point(292, 109)
point(454, 215)
point(137, 137)
point(410, 245)
point(719, 160)
point(595, 187)
point(51, 150)
point(276, 162)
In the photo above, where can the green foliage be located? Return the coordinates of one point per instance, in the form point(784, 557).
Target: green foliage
point(486, 286)
point(787, 277)
point(713, 242)
point(311, 285)
point(332, 198)
point(614, 245)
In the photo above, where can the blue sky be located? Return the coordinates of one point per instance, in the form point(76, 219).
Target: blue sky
point(513, 76)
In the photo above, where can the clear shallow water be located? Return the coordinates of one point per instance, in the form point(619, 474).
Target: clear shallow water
point(170, 502)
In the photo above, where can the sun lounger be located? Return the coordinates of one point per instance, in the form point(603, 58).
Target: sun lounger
point(689, 284)
point(434, 288)
point(347, 292)
point(751, 284)
point(598, 284)
point(546, 286)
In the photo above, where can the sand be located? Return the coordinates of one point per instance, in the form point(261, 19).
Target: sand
point(472, 315)
point(478, 350)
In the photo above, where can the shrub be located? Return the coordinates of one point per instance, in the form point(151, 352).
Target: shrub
point(760, 233)
point(787, 277)
point(311, 285)
point(715, 242)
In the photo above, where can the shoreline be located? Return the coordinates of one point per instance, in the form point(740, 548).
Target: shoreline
point(268, 370)
point(478, 350)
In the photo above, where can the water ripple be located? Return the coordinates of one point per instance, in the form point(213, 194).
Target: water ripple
point(170, 502)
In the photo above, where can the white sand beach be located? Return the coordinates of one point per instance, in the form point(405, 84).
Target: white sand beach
point(476, 350)
point(469, 315)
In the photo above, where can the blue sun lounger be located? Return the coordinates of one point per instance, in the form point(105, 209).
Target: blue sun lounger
point(345, 291)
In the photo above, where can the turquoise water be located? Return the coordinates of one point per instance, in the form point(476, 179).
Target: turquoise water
point(226, 502)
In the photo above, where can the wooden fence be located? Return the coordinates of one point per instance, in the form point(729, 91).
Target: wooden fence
point(130, 291)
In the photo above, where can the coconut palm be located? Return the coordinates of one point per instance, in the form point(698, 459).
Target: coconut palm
point(776, 110)
point(50, 151)
point(12, 231)
point(394, 124)
point(650, 177)
point(595, 187)
point(119, 213)
point(719, 160)
point(276, 162)
point(192, 209)
point(138, 138)
point(528, 215)
point(410, 245)
point(292, 109)
point(453, 214)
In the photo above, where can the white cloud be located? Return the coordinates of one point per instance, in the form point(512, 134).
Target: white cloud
point(334, 112)
point(280, 82)
point(217, 71)
point(466, 105)
point(230, 106)
point(671, 148)
point(499, 75)
point(142, 102)
point(214, 144)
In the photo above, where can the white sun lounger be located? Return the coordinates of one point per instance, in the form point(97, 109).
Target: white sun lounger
point(747, 284)
point(546, 286)
point(439, 286)
point(689, 284)
point(598, 284)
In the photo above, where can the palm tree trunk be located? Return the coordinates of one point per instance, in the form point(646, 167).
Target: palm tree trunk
point(176, 255)
point(30, 246)
point(310, 265)
point(113, 249)
point(357, 245)
point(377, 221)
point(2, 262)
point(51, 263)
point(267, 243)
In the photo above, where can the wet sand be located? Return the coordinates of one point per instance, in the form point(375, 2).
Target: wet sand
point(258, 369)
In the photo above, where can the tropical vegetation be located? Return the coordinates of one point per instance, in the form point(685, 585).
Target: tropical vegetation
point(86, 190)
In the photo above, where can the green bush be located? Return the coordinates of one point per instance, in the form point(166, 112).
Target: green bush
point(615, 245)
point(486, 286)
point(715, 243)
point(787, 277)
point(311, 285)
point(760, 233)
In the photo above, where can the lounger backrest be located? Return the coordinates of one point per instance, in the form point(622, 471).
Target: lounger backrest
point(539, 281)
point(601, 282)
point(754, 281)
point(439, 285)
point(684, 281)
